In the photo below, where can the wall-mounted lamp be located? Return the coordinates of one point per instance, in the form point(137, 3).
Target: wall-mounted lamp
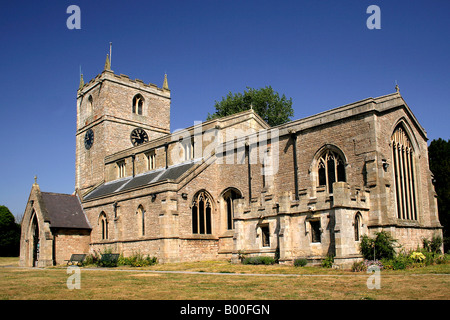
point(184, 195)
point(385, 164)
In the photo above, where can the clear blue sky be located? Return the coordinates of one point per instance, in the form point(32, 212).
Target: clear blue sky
point(320, 53)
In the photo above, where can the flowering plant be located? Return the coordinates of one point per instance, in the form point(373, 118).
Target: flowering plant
point(417, 256)
point(369, 263)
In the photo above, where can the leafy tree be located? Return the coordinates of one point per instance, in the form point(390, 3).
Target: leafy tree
point(9, 234)
point(267, 103)
point(439, 157)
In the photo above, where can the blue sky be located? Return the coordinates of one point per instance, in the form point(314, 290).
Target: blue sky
point(320, 53)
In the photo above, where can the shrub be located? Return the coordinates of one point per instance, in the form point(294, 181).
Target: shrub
point(91, 259)
point(359, 266)
point(259, 260)
point(327, 262)
point(381, 247)
point(433, 245)
point(301, 262)
point(137, 260)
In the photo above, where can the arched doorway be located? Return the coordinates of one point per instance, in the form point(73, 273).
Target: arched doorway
point(229, 196)
point(35, 240)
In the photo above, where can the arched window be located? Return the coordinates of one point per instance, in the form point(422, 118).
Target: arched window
point(201, 213)
point(103, 221)
point(404, 174)
point(141, 219)
point(330, 168)
point(138, 104)
point(229, 196)
point(357, 226)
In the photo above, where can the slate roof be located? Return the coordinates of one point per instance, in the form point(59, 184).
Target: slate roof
point(64, 211)
point(123, 184)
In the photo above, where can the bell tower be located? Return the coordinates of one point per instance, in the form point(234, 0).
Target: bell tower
point(115, 113)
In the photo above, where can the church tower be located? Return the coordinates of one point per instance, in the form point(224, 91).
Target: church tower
point(115, 113)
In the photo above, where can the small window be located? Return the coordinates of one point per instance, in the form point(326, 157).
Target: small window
point(265, 233)
point(90, 105)
point(151, 160)
point(121, 168)
point(357, 225)
point(141, 217)
point(315, 230)
point(188, 149)
point(104, 226)
point(138, 104)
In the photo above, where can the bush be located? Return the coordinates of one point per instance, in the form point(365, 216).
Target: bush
point(359, 266)
point(91, 259)
point(300, 262)
point(381, 247)
point(433, 245)
point(137, 260)
point(259, 260)
point(327, 262)
point(366, 264)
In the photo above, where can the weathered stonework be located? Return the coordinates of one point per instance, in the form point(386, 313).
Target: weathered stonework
point(333, 182)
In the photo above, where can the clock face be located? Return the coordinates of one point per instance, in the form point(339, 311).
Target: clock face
point(138, 136)
point(89, 139)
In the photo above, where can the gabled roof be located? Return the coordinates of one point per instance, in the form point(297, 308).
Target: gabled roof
point(63, 211)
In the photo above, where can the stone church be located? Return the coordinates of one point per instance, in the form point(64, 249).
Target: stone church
point(232, 186)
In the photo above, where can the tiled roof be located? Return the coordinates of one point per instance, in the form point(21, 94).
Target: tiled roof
point(64, 211)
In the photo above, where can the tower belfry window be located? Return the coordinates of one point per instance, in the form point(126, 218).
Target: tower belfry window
point(138, 104)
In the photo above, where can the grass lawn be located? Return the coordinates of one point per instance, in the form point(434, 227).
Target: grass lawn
point(273, 282)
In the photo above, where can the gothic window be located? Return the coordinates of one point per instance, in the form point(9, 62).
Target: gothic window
point(201, 213)
point(357, 226)
point(404, 174)
point(330, 168)
point(103, 225)
point(229, 196)
point(138, 104)
point(315, 230)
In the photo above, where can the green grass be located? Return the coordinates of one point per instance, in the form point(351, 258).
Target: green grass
point(230, 282)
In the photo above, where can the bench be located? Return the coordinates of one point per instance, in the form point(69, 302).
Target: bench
point(109, 259)
point(77, 258)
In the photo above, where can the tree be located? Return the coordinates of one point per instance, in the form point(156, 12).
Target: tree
point(380, 247)
point(268, 104)
point(439, 157)
point(9, 234)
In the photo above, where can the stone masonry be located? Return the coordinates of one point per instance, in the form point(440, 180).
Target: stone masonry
point(235, 186)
